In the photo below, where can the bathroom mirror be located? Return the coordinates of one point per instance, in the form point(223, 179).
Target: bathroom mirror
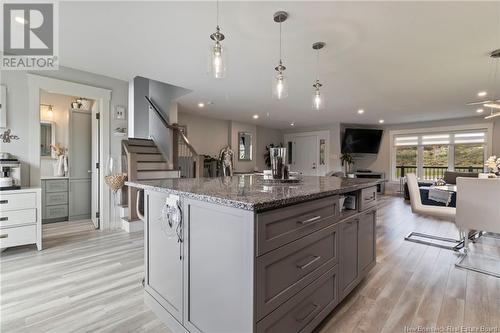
point(47, 138)
point(245, 146)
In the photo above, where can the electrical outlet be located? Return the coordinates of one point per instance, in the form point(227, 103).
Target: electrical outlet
point(120, 112)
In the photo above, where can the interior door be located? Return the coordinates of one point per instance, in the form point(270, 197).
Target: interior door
point(80, 164)
point(305, 155)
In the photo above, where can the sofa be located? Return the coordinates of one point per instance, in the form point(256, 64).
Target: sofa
point(450, 177)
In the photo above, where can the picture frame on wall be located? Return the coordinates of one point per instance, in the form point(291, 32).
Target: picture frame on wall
point(3, 106)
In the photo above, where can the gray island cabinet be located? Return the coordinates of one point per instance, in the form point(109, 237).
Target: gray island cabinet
point(237, 255)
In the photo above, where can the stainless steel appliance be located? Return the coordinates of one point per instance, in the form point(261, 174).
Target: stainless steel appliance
point(10, 172)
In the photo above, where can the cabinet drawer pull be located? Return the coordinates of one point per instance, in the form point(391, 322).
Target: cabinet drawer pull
point(4, 218)
point(4, 201)
point(309, 263)
point(312, 219)
point(302, 318)
point(4, 236)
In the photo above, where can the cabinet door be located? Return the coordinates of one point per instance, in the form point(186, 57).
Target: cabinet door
point(163, 260)
point(367, 241)
point(349, 266)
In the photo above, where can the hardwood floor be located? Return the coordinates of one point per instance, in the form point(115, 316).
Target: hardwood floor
point(90, 281)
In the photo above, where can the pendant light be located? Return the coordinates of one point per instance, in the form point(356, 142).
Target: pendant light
point(217, 55)
point(280, 85)
point(318, 100)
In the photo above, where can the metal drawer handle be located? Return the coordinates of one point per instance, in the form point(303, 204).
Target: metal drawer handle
point(312, 219)
point(309, 263)
point(4, 201)
point(314, 307)
point(4, 236)
point(4, 218)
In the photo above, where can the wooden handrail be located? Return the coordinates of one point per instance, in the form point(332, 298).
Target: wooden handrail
point(173, 127)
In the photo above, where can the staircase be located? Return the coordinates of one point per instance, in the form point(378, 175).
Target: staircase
point(144, 161)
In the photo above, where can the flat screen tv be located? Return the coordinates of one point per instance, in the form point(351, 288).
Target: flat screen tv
point(361, 141)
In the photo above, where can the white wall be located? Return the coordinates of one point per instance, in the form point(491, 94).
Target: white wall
point(17, 108)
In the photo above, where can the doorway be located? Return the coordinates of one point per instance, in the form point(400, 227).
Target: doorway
point(308, 152)
point(69, 148)
point(102, 98)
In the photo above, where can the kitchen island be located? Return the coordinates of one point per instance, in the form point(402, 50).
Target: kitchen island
point(235, 254)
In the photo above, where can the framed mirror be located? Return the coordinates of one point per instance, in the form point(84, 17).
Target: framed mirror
point(244, 146)
point(47, 138)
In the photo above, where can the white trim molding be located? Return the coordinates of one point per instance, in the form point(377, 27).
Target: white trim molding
point(103, 99)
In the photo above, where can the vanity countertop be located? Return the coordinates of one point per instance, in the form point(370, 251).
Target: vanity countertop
point(53, 177)
point(249, 192)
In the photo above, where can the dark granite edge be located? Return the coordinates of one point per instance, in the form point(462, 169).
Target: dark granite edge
point(259, 207)
point(202, 197)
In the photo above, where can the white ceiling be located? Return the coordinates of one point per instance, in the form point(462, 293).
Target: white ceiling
point(400, 61)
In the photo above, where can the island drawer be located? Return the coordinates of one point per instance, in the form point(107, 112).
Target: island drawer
point(11, 218)
point(283, 272)
point(284, 225)
point(368, 198)
point(303, 312)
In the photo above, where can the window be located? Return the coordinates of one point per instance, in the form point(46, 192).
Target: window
point(430, 155)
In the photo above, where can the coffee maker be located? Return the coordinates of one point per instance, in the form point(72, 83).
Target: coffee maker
point(10, 172)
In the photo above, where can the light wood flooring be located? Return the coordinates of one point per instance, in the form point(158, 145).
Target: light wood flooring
point(90, 281)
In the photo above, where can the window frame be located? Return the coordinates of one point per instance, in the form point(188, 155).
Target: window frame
point(419, 132)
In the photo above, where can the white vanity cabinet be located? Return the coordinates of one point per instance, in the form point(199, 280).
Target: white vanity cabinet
point(21, 218)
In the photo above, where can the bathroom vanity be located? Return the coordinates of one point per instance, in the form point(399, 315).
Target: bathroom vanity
point(250, 257)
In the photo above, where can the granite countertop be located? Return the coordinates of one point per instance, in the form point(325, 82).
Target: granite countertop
point(249, 191)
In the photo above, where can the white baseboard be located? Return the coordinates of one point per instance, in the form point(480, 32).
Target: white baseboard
point(132, 226)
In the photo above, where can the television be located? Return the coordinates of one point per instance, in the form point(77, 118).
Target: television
point(361, 141)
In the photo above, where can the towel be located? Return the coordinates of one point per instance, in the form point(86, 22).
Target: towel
point(439, 195)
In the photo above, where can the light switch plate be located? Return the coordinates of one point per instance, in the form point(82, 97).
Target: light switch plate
point(120, 112)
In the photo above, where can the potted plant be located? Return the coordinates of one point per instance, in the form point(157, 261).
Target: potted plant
point(347, 162)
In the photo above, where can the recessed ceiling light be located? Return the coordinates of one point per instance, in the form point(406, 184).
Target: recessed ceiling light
point(21, 20)
point(479, 110)
point(381, 121)
point(361, 111)
point(201, 105)
point(255, 116)
point(482, 93)
point(292, 124)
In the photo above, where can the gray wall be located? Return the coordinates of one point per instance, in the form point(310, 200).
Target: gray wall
point(266, 136)
point(145, 124)
point(207, 135)
point(210, 135)
point(18, 113)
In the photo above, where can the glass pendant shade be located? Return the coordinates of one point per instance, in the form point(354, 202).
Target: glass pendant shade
point(217, 61)
point(280, 86)
point(318, 100)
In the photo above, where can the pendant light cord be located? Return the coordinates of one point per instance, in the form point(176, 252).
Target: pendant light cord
point(280, 41)
point(217, 13)
point(317, 64)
